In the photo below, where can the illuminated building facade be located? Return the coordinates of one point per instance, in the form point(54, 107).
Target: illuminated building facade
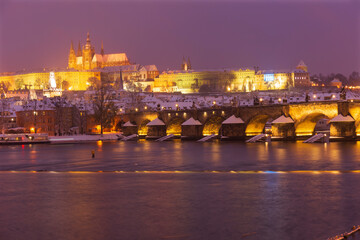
point(87, 59)
point(218, 80)
point(82, 66)
point(242, 80)
point(69, 80)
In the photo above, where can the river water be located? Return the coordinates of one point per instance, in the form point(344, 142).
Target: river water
point(179, 190)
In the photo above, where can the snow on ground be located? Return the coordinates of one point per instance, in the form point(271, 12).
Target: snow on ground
point(80, 138)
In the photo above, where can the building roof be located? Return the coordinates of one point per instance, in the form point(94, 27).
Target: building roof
point(208, 70)
point(341, 118)
point(97, 58)
point(191, 122)
point(336, 80)
point(150, 68)
point(124, 68)
point(156, 122)
point(283, 119)
point(301, 64)
point(128, 124)
point(115, 57)
point(233, 120)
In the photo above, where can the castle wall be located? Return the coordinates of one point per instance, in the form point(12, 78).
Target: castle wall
point(40, 80)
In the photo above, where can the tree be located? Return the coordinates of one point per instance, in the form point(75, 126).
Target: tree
point(58, 82)
point(206, 88)
point(38, 83)
point(148, 88)
point(342, 78)
point(19, 83)
point(65, 85)
point(103, 105)
point(130, 86)
point(354, 78)
point(45, 83)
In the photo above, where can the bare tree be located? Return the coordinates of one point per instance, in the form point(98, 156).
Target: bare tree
point(103, 105)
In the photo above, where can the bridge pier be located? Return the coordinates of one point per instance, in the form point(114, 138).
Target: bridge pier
point(283, 131)
point(344, 130)
point(343, 127)
point(129, 130)
point(156, 131)
point(233, 131)
point(191, 132)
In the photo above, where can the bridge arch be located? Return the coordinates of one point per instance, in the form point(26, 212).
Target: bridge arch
point(213, 125)
point(256, 125)
point(306, 125)
point(174, 126)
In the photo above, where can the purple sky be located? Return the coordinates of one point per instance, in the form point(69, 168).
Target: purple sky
point(270, 34)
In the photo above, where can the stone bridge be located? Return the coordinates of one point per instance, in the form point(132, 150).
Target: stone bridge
point(302, 119)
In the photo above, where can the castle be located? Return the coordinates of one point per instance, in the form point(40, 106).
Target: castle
point(87, 59)
point(188, 80)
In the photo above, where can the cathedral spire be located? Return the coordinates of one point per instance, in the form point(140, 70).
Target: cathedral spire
point(189, 63)
point(72, 47)
point(184, 65)
point(88, 44)
point(72, 57)
point(79, 53)
point(102, 48)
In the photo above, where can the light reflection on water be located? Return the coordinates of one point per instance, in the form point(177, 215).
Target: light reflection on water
point(181, 206)
point(183, 156)
point(179, 190)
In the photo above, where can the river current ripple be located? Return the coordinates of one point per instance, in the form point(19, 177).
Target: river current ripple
point(179, 190)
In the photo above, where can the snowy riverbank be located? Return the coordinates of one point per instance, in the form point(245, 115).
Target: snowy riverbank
point(84, 138)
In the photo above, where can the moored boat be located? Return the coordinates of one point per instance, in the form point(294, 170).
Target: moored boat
point(24, 138)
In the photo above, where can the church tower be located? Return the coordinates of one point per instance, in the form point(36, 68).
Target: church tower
point(189, 64)
point(72, 57)
point(102, 48)
point(79, 53)
point(87, 54)
point(184, 65)
point(302, 66)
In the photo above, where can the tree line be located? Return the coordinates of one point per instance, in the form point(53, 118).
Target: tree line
point(352, 80)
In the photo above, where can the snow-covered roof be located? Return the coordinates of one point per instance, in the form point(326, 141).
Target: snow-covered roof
point(191, 121)
point(208, 70)
point(341, 118)
point(128, 124)
point(97, 58)
point(233, 120)
point(124, 68)
point(150, 68)
point(275, 71)
point(156, 122)
point(336, 80)
point(283, 119)
point(180, 105)
point(115, 57)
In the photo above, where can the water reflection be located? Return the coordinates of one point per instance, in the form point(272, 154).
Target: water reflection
point(182, 156)
point(269, 205)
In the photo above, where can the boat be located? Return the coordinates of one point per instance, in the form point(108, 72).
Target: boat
point(24, 138)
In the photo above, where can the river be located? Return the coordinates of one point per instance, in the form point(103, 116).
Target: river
point(179, 190)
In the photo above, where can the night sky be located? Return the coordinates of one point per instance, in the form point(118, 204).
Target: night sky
point(215, 34)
